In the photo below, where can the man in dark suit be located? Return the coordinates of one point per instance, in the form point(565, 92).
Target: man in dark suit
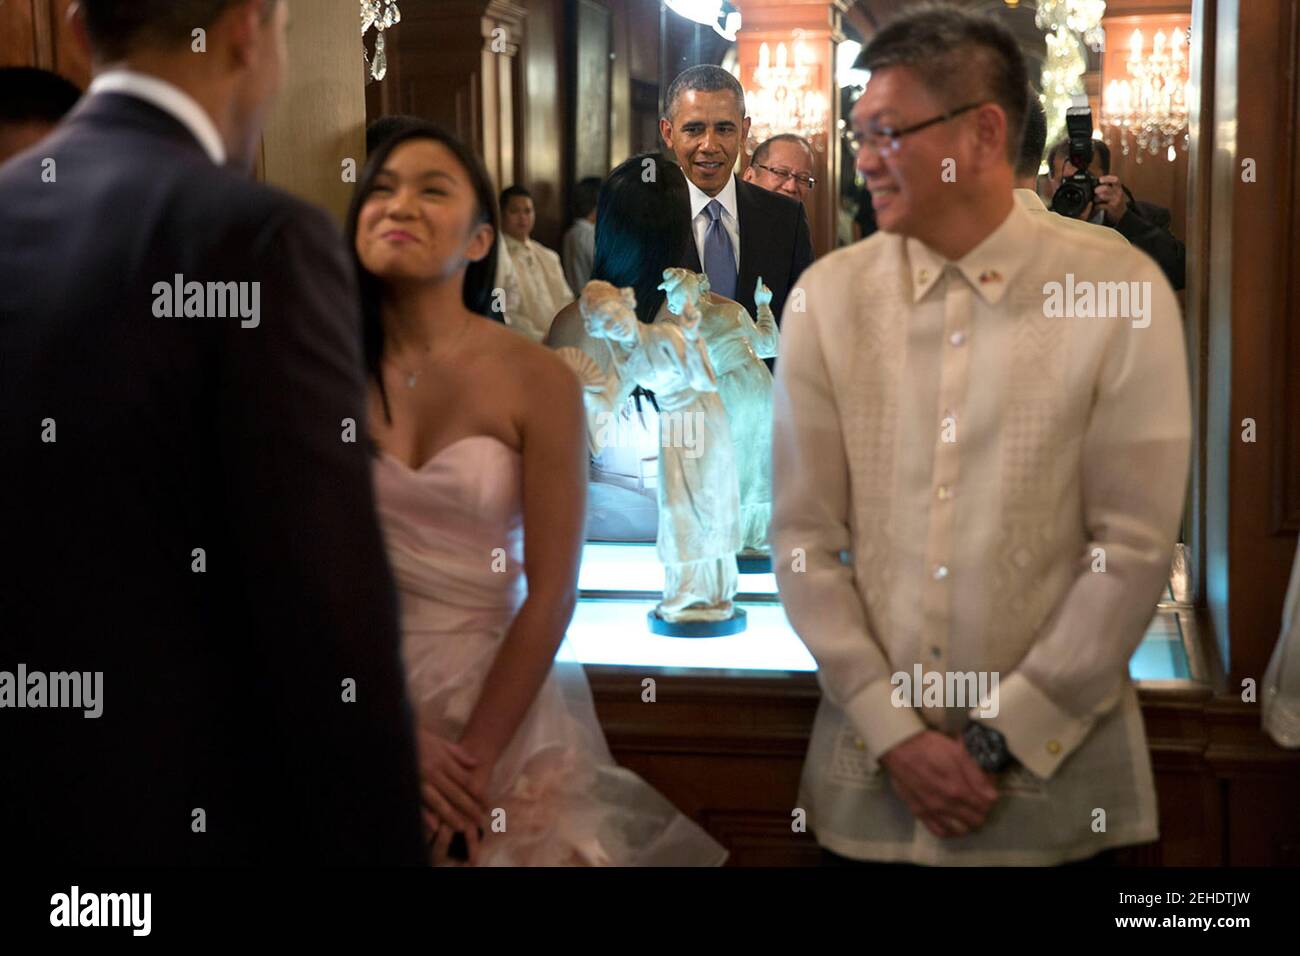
point(1144, 224)
point(741, 230)
point(186, 496)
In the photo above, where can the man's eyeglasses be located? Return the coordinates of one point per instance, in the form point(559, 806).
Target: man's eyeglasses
point(807, 182)
point(885, 139)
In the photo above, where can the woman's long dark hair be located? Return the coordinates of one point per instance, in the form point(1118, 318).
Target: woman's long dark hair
point(480, 277)
point(643, 226)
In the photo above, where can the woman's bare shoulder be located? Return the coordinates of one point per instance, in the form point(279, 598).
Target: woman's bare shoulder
point(524, 364)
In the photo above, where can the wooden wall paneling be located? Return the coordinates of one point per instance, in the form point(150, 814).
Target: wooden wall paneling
point(1259, 124)
point(1261, 783)
point(545, 119)
point(454, 62)
point(728, 750)
point(18, 42)
point(590, 31)
point(70, 58)
point(43, 34)
point(36, 33)
point(620, 93)
point(1200, 164)
point(642, 17)
point(502, 31)
point(490, 132)
point(1187, 794)
point(1286, 350)
point(318, 120)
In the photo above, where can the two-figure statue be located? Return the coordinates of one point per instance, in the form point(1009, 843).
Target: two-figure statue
point(701, 359)
point(737, 345)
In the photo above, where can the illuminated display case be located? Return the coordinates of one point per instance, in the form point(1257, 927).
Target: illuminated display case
point(620, 582)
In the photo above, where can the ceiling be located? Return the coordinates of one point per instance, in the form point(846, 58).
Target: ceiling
point(869, 15)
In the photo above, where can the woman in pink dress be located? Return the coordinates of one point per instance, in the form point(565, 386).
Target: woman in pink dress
point(480, 479)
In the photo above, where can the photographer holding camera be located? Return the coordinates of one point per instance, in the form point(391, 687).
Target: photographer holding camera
point(1079, 194)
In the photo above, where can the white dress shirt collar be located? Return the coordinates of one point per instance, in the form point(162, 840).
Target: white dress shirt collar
point(989, 267)
point(1030, 200)
point(517, 245)
point(700, 199)
point(169, 98)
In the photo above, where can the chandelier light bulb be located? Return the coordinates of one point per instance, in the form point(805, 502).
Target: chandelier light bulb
point(1148, 106)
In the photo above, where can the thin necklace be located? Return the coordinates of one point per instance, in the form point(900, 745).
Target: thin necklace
point(412, 378)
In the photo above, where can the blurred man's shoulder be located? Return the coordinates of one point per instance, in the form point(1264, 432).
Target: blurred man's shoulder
point(242, 218)
point(1084, 244)
point(878, 252)
point(1077, 228)
point(241, 199)
point(1070, 250)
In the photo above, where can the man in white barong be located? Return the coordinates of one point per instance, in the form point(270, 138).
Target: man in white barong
point(542, 289)
point(979, 468)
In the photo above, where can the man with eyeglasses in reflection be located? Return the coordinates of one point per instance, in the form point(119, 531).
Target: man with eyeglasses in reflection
point(972, 486)
point(783, 164)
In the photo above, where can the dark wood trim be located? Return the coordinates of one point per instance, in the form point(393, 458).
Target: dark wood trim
point(1285, 387)
point(728, 749)
point(1147, 8)
point(43, 27)
point(1200, 157)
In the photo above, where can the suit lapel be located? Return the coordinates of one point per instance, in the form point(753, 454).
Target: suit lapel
point(693, 254)
point(746, 275)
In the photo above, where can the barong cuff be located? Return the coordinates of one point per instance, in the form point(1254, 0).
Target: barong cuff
point(1038, 733)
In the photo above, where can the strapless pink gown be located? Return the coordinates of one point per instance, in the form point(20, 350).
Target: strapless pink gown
point(454, 533)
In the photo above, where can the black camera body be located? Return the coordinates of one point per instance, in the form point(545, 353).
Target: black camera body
point(1075, 192)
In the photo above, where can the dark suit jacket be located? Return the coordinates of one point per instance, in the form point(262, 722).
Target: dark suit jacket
point(775, 243)
point(222, 690)
point(1146, 226)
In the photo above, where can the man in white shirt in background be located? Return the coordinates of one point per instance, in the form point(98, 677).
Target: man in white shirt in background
point(1032, 145)
point(542, 289)
point(578, 250)
point(976, 480)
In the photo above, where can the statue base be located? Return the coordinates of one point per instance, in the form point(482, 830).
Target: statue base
point(753, 562)
point(732, 625)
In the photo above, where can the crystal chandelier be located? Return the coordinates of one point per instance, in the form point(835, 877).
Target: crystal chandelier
point(380, 14)
point(1150, 105)
point(1062, 78)
point(1080, 17)
point(782, 98)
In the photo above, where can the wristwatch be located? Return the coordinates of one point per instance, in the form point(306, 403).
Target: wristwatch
point(987, 746)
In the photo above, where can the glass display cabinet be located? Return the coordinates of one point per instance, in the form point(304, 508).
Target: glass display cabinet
point(620, 581)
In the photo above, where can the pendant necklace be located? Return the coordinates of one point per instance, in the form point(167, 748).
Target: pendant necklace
point(411, 379)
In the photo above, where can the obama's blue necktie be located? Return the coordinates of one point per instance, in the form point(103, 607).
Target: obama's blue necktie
point(719, 254)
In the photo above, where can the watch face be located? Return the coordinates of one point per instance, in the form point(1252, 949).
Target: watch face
point(985, 746)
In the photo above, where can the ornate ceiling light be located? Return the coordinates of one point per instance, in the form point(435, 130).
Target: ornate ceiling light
point(1080, 17)
point(1062, 78)
point(380, 14)
point(782, 98)
point(1150, 104)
